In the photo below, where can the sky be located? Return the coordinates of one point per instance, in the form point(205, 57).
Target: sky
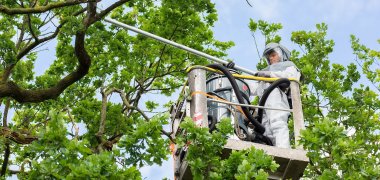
point(343, 18)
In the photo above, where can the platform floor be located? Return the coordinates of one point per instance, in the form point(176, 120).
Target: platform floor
point(292, 161)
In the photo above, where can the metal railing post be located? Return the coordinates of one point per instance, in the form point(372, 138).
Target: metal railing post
point(198, 104)
point(297, 112)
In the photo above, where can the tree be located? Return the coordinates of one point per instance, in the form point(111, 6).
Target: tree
point(342, 115)
point(94, 59)
point(341, 136)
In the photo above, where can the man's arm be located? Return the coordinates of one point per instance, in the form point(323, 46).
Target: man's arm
point(289, 72)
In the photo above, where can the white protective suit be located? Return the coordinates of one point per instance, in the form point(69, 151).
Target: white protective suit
point(275, 121)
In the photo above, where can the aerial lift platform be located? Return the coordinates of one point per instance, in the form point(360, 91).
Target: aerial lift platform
point(292, 161)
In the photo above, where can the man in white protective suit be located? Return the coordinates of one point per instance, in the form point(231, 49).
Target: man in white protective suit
point(280, 66)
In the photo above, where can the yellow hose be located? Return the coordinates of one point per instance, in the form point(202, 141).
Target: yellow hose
point(257, 78)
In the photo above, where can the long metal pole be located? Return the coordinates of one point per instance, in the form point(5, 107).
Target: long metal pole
point(180, 46)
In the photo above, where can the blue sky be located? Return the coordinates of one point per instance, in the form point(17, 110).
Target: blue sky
point(343, 17)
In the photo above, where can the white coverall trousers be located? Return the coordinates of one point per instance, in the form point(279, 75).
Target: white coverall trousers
point(275, 121)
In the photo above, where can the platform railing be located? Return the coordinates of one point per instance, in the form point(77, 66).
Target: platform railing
point(292, 161)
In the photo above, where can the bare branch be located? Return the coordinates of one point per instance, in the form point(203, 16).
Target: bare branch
point(11, 89)
point(22, 33)
point(6, 110)
point(254, 40)
point(46, 19)
point(111, 141)
point(110, 8)
point(248, 3)
point(34, 3)
point(74, 124)
point(103, 114)
point(126, 103)
point(28, 48)
point(31, 28)
point(168, 135)
point(159, 89)
point(105, 144)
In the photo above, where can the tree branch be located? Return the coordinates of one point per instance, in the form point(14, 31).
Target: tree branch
point(103, 114)
point(31, 28)
point(6, 109)
point(105, 144)
point(17, 137)
point(28, 48)
point(11, 89)
point(257, 49)
point(248, 3)
point(46, 20)
point(6, 159)
point(126, 103)
point(111, 141)
point(41, 9)
point(7, 150)
point(22, 33)
point(168, 135)
point(74, 124)
point(110, 8)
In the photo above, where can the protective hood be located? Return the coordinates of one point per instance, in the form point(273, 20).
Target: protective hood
point(281, 50)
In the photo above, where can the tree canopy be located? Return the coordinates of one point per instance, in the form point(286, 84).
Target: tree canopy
point(95, 61)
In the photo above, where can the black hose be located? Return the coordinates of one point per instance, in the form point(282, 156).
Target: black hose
point(209, 79)
point(262, 140)
point(258, 127)
point(212, 125)
point(283, 82)
point(245, 96)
